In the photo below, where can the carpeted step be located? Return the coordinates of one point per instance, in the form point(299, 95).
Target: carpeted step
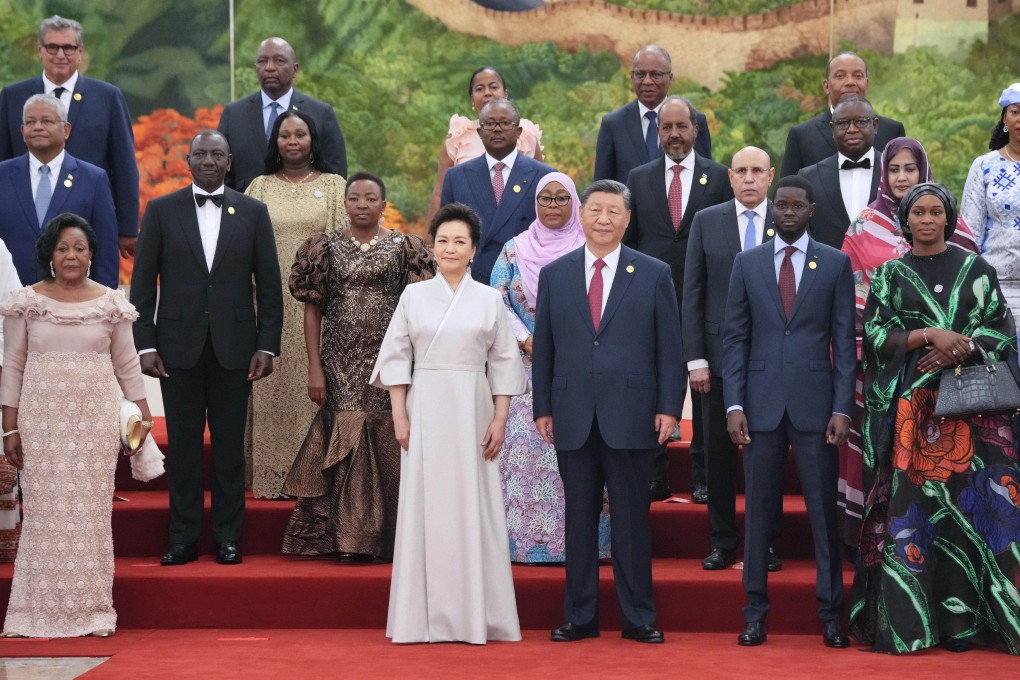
point(273, 591)
point(678, 529)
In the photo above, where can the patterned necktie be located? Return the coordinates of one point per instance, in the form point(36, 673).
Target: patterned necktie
point(675, 197)
point(274, 113)
point(43, 194)
point(595, 294)
point(750, 236)
point(652, 136)
point(58, 92)
point(787, 281)
point(497, 181)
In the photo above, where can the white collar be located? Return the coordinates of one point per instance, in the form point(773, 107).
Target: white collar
point(54, 165)
point(49, 85)
point(215, 192)
point(612, 259)
point(508, 161)
point(800, 244)
point(760, 210)
point(283, 101)
point(642, 109)
point(870, 154)
point(687, 163)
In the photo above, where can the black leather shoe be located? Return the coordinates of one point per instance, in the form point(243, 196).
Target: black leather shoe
point(718, 559)
point(178, 554)
point(699, 494)
point(775, 564)
point(835, 636)
point(645, 633)
point(660, 491)
point(228, 553)
point(569, 632)
point(753, 635)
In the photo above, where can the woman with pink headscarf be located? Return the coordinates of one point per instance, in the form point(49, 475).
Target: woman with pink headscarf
point(532, 490)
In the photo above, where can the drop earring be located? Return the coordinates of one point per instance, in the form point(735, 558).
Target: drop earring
point(88, 270)
point(53, 273)
point(1005, 128)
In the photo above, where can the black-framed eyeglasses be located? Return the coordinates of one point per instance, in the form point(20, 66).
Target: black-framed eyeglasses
point(656, 76)
point(68, 50)
point(547, 201)
point(491, 125)
point(859, 123)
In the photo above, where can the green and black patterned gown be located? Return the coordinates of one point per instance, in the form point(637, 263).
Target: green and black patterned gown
point(939, 549)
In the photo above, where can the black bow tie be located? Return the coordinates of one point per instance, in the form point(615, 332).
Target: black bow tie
point(217, 199)
point(850, 165)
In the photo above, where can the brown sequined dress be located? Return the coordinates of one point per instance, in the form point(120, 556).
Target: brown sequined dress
point(347, 472)
point(280, 409)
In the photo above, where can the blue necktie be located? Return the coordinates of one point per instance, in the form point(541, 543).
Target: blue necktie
point(652, 137)
point(750, 238)
point(43, 194)
point(274, 113)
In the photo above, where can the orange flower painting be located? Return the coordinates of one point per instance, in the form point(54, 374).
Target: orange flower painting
point(927, 447)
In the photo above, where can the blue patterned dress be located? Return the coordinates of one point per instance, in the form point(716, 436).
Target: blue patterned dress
point(532, 490)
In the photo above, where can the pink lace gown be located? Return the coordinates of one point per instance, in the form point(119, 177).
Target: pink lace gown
point(62, 365)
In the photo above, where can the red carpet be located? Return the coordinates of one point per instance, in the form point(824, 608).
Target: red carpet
point(258, 653)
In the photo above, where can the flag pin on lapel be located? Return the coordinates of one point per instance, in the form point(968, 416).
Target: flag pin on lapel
point(230, 210)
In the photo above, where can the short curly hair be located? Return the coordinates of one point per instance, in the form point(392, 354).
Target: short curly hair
point(50, 235)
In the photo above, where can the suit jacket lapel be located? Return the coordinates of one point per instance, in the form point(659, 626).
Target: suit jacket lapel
point(78, 99)
point(656, 186)
point(578, 287)
point(256, 125)
point(632, 122)
point(521, 175)
point(829, 172)
point(770, 226)
point(68, 173)
point(697, 194)
point(481, 189)
point(807, 277)
point(621, 281)
point(189, 225)
point(767, 267)
point(731, 230)
point(823, 129)
point(876, 174)
point(228, 217)
point(21, 179)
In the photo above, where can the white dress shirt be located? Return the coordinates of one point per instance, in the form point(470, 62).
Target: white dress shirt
point(34, 164)
point(642, 110)
point(68, 85)
point(855, 184)
point(686, 178)
point(797, 259)
point(283, 101)
point(209, 216)
point(508, 165)
point(612, 261)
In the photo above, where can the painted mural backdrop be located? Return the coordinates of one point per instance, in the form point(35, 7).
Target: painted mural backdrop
point(395, 75)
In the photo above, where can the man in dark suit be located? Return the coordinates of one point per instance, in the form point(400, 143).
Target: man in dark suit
point(846, 182)
point(100, 123)
point(205, 244)
point(247, 123)
point(665, 195)
point(46, 181)
point(500, 184)
point(608, 388)
point(846, 75)
point(628, 136)
point(789, 362)
point(718, 233)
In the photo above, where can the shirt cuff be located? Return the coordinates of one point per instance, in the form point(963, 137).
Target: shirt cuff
point(837, 413)
point(266, 351)
point(736, 407)
point(694, 364)
point(145, 351)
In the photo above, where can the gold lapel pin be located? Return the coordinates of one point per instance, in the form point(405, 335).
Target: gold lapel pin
point(704, 179)
point(771, 232)
point(630, 269)
point(68, 183)
point(812, 265)
point(517, 188)
point(230, 210)
point(77, 96)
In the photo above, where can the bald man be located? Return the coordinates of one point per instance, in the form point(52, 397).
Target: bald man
point(247, 123)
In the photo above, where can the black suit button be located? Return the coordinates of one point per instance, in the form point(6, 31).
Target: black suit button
point(787, 332)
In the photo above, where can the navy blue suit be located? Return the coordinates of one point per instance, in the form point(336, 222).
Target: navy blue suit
point(790, 376)
point(620, 147)
point(470, 183)
point(88, 197)
point(100, 134)
point(603, 389)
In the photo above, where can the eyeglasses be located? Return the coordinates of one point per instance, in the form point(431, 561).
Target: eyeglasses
point(656, 76)
point(859, 123)
point(491, 125)
point(796, 206)
point(68, 50)
point(547, 201)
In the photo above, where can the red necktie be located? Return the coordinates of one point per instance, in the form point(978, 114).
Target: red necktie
point(595, 294)
point(676, 198)
point(497, 181)
point(787, 281)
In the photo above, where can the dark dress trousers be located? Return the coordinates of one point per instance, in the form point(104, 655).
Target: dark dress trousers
point(651, 232)
point(242, 125)
point(790, 376)
point(470, 183)
point(714, 243)
point(82, 189)
point(208, 325)
point(830, 221)
point(811, 141)
point(101, 134)
point(620, 146)
point(603, 389)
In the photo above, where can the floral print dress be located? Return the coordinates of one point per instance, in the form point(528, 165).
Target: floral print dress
point(939, 548)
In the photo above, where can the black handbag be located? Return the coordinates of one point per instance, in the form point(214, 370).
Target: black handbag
point(980, 389)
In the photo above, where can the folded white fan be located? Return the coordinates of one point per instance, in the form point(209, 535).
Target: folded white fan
point(147, 464)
